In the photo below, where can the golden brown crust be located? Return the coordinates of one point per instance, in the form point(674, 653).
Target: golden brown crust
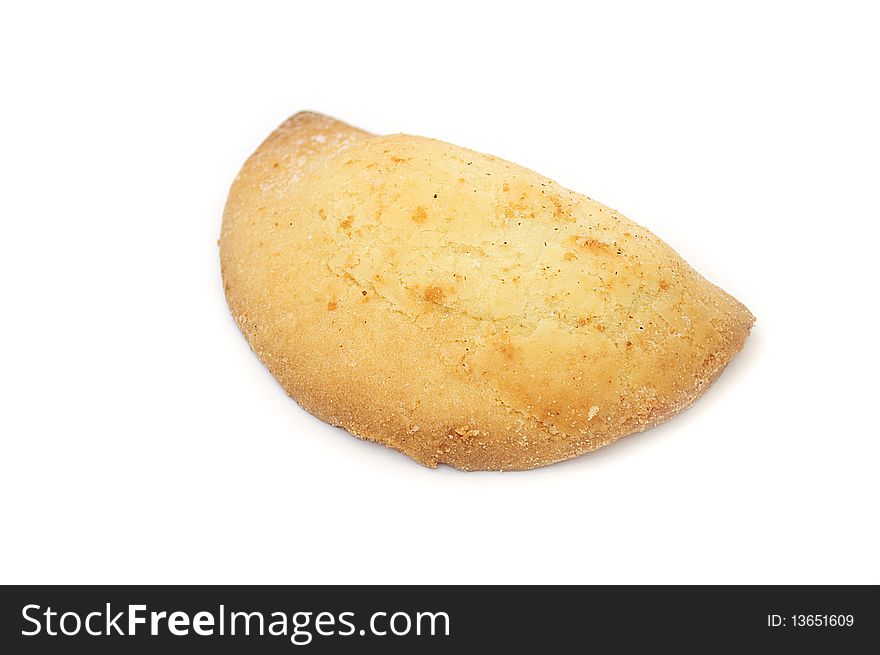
point(458, 307)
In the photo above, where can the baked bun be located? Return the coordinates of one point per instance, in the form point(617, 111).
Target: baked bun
point(457, 307)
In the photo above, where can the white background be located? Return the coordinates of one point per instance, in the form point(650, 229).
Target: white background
point(143, 442)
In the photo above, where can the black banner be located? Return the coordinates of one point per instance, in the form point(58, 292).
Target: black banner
point(115, 619)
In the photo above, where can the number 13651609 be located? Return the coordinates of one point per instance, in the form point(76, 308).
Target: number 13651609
point(810, 621)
